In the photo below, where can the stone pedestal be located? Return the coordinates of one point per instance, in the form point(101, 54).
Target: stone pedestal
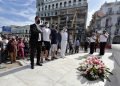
point(116, 58)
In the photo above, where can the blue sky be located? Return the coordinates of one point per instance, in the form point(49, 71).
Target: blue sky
point(22, 12)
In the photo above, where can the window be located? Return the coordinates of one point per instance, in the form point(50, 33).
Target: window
point(39, 9)
point(45, 7)
point(38, 4)
point(69, 3)
point(49, 7)
point(65, 3)
point(108, 22)
point(45, 14)
point(74, 1)
point(109, 10)
point(52, 6)
point(42, 8)
point(61, 4)
point(57, 5)
point(118, 20)
point(48, 14)
point(55, 13)
point(42, 3)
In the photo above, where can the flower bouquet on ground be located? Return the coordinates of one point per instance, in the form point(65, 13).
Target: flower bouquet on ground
point(93, 69)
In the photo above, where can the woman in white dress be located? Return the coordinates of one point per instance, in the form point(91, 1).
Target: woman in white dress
point(64, 38)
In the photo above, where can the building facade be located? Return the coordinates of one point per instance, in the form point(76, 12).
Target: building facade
point(71, 13)
point(21, 31)
point(107, 18)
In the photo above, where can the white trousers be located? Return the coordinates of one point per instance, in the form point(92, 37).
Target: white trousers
point(63, 48)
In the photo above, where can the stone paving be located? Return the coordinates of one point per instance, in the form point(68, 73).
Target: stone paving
point(60, 72)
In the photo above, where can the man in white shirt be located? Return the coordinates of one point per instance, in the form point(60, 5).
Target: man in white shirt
point(92, 43)
point(103, 40)
point(64, 38)
point(4, 50)
point(46, 38)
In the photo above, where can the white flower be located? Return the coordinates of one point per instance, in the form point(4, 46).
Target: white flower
point(91, 73)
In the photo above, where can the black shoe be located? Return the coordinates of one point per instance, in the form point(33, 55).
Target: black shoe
point(55, 58)
point(39, 64)
point(32, 67)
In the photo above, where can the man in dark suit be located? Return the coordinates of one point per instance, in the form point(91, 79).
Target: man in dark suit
point(35, 42)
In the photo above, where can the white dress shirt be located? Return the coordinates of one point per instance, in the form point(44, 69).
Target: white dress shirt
point(38, 27)
point(92, 38)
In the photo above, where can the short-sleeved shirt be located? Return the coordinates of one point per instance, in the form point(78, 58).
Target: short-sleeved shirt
point(46, 34)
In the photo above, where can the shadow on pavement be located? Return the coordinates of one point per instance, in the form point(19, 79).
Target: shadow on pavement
point(113, 78)
point(14, 70)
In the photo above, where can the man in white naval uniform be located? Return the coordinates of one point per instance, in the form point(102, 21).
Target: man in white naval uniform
point(103, 41)
point(64, 38)
point(92, 43)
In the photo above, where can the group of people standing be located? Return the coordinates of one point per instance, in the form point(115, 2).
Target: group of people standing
point(12, 48)
point(45, 41)
point(100, 39)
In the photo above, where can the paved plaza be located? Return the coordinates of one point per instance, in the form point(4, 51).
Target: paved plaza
point(60, 72)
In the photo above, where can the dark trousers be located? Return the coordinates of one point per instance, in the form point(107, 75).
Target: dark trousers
point(92, 46)
point(76, 49)
point(102, 48)
point(86, 46)
point(33, 48)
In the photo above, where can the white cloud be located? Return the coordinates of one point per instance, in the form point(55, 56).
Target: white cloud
point(5, 21)
point(28, 13)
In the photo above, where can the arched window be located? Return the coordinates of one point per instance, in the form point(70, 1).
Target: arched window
point(69, 3)
point(74, 2)
point(46, 7)
point(60, 4)
point(52, 6)
point(65, 3)
point(49, 7)
point(56, 5)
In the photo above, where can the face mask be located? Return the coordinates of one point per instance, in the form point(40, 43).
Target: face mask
point(38, 22)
